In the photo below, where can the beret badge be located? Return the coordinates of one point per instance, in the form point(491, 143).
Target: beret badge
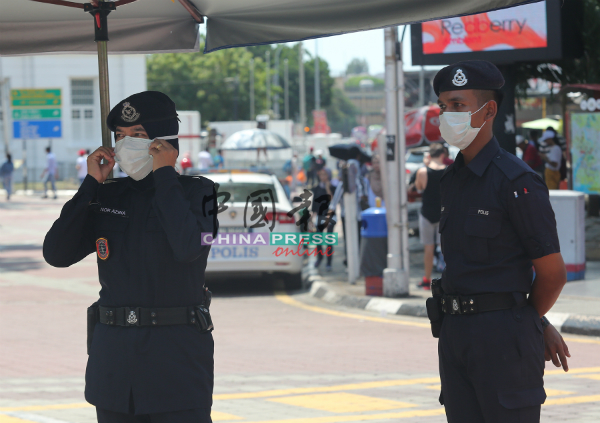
point(459, 78)
point(129, 114)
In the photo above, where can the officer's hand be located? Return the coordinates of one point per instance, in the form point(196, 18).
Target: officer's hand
point(164, 154)
point(555, 348)
point(100, 171)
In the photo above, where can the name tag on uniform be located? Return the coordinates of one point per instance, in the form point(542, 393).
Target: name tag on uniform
point(483, 212)
point(116, 212)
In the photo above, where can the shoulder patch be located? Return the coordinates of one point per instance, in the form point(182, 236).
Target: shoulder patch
point(511, 165)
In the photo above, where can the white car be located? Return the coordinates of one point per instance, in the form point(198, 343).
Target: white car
point(239, 217)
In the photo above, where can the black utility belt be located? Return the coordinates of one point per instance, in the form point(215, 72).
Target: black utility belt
point(142, 316)
point(472, 304)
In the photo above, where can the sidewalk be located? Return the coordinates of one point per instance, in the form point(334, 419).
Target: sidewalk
point(576, 311)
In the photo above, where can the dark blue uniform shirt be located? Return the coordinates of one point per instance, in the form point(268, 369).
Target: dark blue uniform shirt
point(155, 259)
point(496, 218)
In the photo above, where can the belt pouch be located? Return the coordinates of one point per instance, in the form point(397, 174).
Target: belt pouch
point(434, 312)
point(203, 321)
point(92, 319)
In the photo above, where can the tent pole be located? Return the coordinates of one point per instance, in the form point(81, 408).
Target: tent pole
point(104, 93)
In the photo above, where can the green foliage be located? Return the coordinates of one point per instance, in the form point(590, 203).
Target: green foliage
point(207, 82)
point(357, 66)
point(341, 113)
point(353, 83)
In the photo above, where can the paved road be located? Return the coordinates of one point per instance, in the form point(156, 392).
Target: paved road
point(279, 357)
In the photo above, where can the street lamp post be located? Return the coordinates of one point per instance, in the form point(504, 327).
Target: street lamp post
point(268, 55)
point(286, 88)
point(252, 115)
point(276, 82)
point(302, 89)
point(317, 78)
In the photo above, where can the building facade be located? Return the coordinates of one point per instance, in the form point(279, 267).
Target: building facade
point(77, 78)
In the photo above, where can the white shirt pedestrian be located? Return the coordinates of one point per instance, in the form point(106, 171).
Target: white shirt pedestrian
point(205, 161)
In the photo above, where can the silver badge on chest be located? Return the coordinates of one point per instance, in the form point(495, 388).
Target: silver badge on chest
point(132, 318)
point(459, 78)
point(129, 114)
point(454, 305)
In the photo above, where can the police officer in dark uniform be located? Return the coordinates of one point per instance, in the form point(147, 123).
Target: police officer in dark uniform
point(496, 226)
point(151, 353)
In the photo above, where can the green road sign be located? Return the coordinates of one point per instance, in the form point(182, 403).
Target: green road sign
point(35, 114)
point(36, 97)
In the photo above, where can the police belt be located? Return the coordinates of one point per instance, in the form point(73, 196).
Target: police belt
point(140, 316)
point(472, 304)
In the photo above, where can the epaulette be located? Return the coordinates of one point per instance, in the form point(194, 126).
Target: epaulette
point(511, 165)
point(205, 181)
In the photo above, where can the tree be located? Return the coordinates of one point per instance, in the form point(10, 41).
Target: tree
point(341, 113)
point(357, 67)
point(207, 82)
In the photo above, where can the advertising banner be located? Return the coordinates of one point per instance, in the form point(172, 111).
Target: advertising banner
point(585, 152)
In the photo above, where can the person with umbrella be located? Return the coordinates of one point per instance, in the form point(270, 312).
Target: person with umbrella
point(149, 341)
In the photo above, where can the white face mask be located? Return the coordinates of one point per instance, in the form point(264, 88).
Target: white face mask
point(456, 129)
point(133, 155)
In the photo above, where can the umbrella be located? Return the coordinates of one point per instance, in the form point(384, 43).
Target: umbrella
point(543, 124)
point(149, 26)
point(349, 151)
point(253, 139)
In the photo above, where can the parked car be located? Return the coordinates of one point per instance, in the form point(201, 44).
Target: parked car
point(236, 191)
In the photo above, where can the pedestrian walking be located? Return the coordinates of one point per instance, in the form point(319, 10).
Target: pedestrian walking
point(374, 183)
point(552, 159)
point(530, 153)
point(496, 226)
point(428, 183)
point(186, 163)
point(205, 161)
point(149, 335)
point(51, 172)
point(81, 166)
point(323, 194)
point(6, 171)
point(320, 161)
point(309, 165)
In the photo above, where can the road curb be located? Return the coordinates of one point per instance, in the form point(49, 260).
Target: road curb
point(320, 289)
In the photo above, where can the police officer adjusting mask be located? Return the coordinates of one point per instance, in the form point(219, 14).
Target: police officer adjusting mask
point(469, 97)
point(137, 121)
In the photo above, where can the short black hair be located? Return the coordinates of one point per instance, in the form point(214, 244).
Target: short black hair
point(436, 150)
point(48, 149)
point(483, 96)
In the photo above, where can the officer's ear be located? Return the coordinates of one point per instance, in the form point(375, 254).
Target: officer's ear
point(491, 110)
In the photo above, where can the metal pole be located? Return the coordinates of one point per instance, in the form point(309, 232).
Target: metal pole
point(422, 87)
point(286, 87)
point(317, 78)
point(268, 54)
point(276, 82)
point(404, 282)
point(104, 93)
point(302, 89)
point(252, 115)
point(395, 283)
point(24, 158)
point(4, 106)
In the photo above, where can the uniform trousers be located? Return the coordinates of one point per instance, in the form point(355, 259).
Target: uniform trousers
point(492, 366)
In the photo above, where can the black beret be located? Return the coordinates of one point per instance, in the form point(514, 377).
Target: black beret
point(140, 108)
point(468, 75)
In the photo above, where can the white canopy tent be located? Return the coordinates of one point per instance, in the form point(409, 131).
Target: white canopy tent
point(153, 26)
